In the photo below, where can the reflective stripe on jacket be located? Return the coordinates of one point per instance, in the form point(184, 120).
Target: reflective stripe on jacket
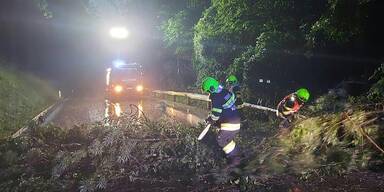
point(223, 108)
point(289, 105)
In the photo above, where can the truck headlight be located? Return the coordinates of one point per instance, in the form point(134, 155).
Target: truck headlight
point(139, 88)
point(118, 88)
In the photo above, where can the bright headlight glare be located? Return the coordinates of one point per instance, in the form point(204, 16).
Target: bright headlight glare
point(139, 88)
point(119, 32)
point(118, 88)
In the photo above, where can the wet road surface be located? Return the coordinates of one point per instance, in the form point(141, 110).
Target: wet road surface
point(84, 110)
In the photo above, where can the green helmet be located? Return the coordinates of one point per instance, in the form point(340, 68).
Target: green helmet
point(303, 94)
point(209, 85)
point(231, 79)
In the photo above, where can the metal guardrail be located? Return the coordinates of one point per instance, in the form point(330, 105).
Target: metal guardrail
point(189, 97)
point(39, 119)
point(185, 94)
point(201, 97)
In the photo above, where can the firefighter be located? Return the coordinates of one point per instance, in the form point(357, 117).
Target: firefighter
point(234, 87)
point(225, 115)
point(290, 105)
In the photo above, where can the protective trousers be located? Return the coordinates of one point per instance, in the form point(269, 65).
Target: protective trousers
point(286, 123)
point(225, 139)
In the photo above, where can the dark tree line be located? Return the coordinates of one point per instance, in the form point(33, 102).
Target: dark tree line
point(292, 43)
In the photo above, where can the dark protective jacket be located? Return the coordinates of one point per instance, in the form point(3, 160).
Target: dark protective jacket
point(225, 114)
point(223, 107)
point(237, 91)
point(289, 105)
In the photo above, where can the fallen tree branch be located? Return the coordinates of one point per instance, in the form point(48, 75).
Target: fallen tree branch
point(365, 134)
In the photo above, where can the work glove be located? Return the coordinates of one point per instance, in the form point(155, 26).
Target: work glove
point(209, 120)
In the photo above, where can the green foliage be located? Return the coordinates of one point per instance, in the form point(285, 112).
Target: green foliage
point(329, 103)
point(178, 33)
point(376, 93)
point(251, 39)
point(131, 151)
point(25, 162)
point(22, 96)
point(259, 61)
point(217, 36)
point(43, 6)
point(273, 39)
point(326, 144)
point(178, 19)
point(341, 22)
point(228, 27)
point(127, 151)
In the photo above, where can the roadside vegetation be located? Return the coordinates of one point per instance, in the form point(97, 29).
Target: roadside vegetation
point(315, 44)
point(121, 154)
point(22, 96)
point(336, 143)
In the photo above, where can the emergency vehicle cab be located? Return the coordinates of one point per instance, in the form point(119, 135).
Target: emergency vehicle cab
point(124, 80)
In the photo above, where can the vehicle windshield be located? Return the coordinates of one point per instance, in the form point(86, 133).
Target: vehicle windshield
point(125, 74)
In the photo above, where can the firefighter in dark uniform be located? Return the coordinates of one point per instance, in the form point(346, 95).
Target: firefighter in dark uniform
point(234, 87)
point(290, 105)
point(225, 115)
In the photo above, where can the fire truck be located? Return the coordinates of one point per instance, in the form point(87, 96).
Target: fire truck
point(124, 80)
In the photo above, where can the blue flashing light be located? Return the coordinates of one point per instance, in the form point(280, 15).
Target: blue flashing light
point(118, 63)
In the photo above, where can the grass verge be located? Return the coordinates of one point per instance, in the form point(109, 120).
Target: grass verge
point(22, 96)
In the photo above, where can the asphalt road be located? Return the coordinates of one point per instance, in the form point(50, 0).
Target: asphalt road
point(80, 110)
